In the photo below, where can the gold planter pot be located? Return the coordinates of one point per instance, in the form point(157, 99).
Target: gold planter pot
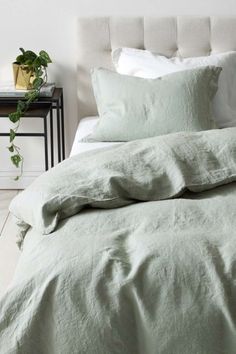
point(23, 78)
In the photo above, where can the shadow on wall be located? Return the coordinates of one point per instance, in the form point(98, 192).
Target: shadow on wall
point(85, 97)
point(66, 77)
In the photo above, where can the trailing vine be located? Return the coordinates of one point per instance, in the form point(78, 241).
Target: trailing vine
point(36, 65)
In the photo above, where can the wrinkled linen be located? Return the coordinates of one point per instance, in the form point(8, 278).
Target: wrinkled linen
point(154, 276)
point(143, 170)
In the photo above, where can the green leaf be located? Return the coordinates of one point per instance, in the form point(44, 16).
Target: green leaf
point(14, 117)
point(11, 148)
point(37, 83)
point(29, 62)
point(28, 95)
point(45, 56)
point(12, 135)
point(29, 55)
point(16, 178)
point(35, 95)
point(42, 62)
point(22, 50)
point(20, 59)
point(26, 57)
point(39, 72)
point(21, 105)
point(16, 159)
point(37, 62)
point(31, 96)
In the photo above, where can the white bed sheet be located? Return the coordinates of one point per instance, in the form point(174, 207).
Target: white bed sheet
point(85, 127)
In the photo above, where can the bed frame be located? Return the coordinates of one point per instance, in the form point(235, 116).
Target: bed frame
point(169, 36)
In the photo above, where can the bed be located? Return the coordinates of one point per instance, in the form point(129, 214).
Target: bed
point(130, 247)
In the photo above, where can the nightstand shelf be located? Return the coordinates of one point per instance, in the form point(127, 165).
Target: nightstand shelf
point(43, 108)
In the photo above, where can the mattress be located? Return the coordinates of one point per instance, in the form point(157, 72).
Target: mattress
point(85, 127)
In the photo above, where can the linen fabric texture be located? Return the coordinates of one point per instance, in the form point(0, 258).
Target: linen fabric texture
point(134, 108)
point(148, 169)
point(128, 250)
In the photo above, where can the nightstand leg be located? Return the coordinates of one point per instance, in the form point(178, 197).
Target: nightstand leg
point(51, 137)
point(46, 142)
point(62, 127)
point(58, 132)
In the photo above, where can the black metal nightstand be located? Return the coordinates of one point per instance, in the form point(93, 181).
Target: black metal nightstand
point(43, 108)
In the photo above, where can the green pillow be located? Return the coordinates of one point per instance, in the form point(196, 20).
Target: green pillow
point(134, 108)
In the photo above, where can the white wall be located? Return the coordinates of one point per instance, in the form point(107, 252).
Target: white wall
point(51, 25)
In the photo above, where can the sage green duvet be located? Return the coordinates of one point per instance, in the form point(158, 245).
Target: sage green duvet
point(128, 250)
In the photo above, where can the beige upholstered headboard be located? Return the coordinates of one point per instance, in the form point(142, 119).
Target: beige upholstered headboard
point(170, 36)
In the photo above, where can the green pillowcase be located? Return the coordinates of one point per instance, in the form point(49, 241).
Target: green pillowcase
point(134, 108)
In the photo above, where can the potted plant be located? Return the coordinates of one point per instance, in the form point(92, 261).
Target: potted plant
point(30, 72)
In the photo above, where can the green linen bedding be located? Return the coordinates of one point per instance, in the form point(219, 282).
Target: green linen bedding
point(128, 250)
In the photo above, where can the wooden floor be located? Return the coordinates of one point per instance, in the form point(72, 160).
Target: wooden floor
point(9, 252)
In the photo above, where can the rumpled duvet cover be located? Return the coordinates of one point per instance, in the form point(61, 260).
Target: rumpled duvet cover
point(128, 250)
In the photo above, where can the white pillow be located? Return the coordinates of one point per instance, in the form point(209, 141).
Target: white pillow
point(142, 63)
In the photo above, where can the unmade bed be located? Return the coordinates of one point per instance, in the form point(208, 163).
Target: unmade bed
point(129, 246)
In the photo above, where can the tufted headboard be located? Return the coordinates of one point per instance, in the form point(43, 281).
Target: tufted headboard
point(169, 36)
